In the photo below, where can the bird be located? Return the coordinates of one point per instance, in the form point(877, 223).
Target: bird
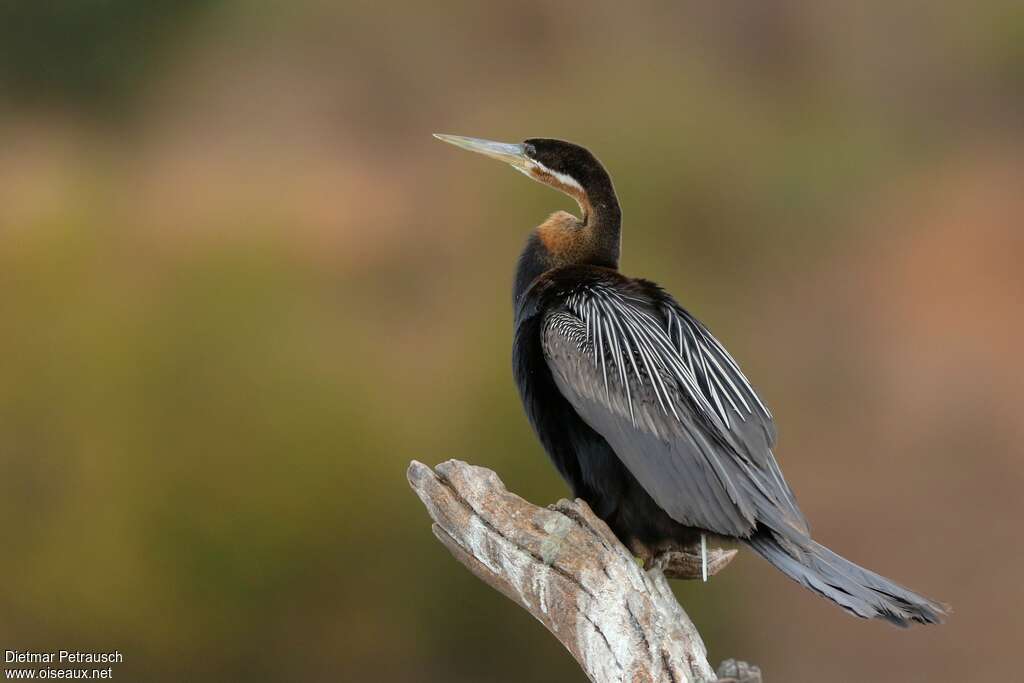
point(644, 413)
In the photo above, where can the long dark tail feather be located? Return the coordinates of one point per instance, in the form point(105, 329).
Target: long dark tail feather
point(855, 589)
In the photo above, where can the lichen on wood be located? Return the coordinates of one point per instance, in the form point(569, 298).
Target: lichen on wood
point(565, 566)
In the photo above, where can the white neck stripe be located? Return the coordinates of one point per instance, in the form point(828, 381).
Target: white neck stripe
point(566, 180)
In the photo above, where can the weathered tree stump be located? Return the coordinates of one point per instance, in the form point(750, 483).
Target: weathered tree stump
point(566, 567)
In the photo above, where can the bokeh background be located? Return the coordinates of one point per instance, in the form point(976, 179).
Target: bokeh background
point(241, 287)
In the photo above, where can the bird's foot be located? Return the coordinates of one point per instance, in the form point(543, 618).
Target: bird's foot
point(691, 563)
point(642, 554)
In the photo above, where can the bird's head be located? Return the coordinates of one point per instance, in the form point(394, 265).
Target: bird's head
point(565, 166)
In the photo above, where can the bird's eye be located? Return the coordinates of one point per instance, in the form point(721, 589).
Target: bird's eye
point(530, 150)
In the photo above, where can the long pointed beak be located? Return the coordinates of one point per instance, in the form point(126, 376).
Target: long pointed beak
point(513, 154)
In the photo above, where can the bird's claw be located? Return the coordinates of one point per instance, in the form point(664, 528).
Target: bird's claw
point(689, 564)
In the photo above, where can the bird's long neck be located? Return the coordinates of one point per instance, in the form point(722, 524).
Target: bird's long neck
point(602, 217)
point(563, 240)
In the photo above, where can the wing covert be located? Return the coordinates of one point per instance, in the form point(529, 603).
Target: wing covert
point(673, 405)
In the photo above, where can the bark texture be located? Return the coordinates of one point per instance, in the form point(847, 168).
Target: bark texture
point(565, 566)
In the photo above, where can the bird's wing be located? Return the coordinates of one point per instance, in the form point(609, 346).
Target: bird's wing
point(673, 405)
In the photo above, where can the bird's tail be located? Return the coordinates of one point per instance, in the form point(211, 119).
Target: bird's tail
point(855, 589)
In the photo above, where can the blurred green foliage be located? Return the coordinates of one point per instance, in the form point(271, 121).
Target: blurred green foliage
point(92, 55)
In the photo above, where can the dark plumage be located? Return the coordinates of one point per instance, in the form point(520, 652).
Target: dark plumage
point(644, 413)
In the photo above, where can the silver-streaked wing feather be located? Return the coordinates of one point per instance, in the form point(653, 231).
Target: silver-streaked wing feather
point(752, 429)
point(673, 405)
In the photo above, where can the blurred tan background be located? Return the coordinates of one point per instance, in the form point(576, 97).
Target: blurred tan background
point(241, 287)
